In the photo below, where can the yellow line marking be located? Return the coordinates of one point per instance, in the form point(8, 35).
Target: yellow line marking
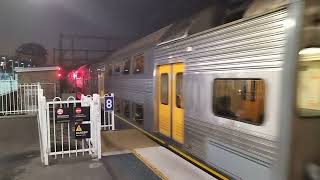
point(140, 129)
point(198, 163)
point(154, 169)
point(177, 151)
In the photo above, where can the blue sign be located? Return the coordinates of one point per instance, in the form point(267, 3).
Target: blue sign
point(108, 103)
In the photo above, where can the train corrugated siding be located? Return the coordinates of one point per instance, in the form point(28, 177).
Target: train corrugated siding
point(257, 43)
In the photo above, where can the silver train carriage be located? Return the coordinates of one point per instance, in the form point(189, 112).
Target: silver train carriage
point(241, 96)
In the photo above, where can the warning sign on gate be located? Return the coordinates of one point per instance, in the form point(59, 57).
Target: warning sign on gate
point(63, 114)
point(82, 131)
point(81, 114)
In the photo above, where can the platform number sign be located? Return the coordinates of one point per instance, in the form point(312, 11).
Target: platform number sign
point(108, 103)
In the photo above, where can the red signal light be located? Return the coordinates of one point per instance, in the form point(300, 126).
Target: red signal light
point(59, 75)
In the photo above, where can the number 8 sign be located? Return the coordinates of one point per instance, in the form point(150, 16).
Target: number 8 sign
point(108, 103)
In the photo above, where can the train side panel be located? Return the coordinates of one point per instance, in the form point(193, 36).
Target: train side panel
point(247, 49)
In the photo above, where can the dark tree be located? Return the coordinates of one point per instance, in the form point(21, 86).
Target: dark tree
point(32, 53)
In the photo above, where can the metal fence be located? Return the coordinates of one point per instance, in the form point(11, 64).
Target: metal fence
point(7, 86)
point(18, 99)
point(59, 138)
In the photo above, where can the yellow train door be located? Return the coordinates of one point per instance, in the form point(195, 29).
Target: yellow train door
point(170, 99)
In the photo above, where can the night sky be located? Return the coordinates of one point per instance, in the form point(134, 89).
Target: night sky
point(41, 21)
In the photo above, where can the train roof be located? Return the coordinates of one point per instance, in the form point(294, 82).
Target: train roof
point(147, 41)
point(207, 18)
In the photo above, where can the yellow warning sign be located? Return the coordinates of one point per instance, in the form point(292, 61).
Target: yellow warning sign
point(78, 128)
point(82, 131)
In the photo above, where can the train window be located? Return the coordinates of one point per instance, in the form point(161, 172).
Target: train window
point(139, 64)
point(117, 105)
point(164, 88)
point(138, 115)
point(117, 68)
point(126, 108)
point(308, 101)
point(126, 68)
point(179, 95)
point(239, 99)
point(110, 69)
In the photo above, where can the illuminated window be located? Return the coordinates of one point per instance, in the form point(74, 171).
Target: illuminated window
point(126, 68)
point(309, 83)
point(164, 88)
point(138, 64)
point(137, 110)
point(239, 99)
point(179, 95)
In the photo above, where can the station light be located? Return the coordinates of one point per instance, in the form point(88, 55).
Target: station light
point(311, 50)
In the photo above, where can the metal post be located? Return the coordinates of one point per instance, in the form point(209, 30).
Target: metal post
point(97, 123)
point(112, 115)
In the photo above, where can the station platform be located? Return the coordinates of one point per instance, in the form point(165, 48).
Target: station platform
point(161, 161)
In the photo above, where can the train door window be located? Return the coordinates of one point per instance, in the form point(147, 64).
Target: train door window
point(164, 88)
point(139, 64)
point(179, 95)
point(239, 99)
point(127, 65)
point(117, 105)
point(138, 115)
point(126, 109)
point(308, 101)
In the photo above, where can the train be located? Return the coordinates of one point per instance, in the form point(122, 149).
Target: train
point(239, 94)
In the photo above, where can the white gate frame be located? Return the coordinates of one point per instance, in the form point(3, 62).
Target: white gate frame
point(94, 143)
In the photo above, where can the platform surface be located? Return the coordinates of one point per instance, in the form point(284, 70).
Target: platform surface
point(124, 141)
point(128, 166)
point(171, 165)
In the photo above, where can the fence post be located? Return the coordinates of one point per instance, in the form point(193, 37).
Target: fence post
point(42, 126)
point(96, 120)
point(39, 118)
point(112, 115)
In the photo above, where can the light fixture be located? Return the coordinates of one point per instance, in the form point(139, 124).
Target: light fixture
point(189, 49)
point(309, 51)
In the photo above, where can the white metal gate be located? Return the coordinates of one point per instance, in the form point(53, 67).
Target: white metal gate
point(59, 139)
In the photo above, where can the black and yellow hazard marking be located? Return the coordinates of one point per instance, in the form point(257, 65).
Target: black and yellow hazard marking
point(78, 128)
point(177, 151)
point(150, 166)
